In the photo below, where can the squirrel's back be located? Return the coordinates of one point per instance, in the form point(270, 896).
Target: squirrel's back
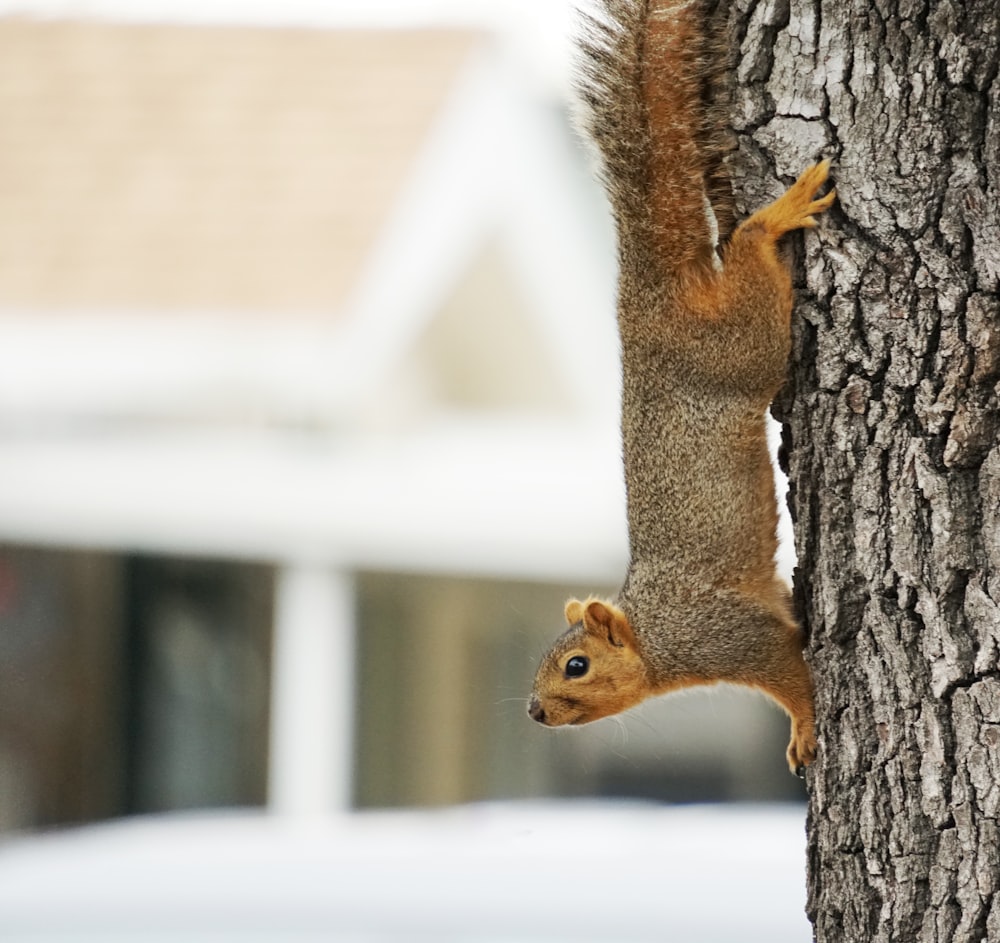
point(644, 63)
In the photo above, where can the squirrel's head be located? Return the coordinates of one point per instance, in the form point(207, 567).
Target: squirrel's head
point(593, 669)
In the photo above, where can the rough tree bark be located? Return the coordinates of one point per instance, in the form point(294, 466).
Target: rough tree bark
point(892, 413)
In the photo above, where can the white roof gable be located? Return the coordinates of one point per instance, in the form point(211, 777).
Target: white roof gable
point(498, 169)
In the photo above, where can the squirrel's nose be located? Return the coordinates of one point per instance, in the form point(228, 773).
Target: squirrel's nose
point(535, 709)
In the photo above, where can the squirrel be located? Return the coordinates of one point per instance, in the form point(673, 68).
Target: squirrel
point(704, 313)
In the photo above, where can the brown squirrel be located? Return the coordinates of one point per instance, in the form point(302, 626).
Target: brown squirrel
point(705, 339)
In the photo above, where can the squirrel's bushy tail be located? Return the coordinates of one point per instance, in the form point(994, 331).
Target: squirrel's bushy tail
point(653, 82)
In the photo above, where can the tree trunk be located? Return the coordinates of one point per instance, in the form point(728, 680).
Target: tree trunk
point(891, 438)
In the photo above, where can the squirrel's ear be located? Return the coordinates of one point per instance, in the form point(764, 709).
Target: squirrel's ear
point(609, 622)
point(574, 611)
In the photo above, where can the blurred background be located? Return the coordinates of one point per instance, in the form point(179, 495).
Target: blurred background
point(308, 417)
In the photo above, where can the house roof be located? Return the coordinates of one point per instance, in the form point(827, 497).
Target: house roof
point(172, 167)
point(362, 176)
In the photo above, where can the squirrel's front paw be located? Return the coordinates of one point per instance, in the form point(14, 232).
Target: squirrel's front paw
point(801, 748)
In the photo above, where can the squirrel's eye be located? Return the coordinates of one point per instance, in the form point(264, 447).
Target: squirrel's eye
point(577, 666)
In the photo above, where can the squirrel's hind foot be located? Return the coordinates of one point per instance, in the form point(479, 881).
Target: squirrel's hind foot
point(798, 206)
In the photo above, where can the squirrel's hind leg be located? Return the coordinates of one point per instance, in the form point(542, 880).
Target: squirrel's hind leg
point(748, 303)
point(752, 253)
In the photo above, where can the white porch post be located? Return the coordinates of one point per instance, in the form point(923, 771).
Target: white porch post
point(312, 691)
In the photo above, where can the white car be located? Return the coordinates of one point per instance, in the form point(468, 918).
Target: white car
point(492, 873)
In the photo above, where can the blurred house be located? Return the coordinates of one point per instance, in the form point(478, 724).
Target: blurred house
point(308, 396)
